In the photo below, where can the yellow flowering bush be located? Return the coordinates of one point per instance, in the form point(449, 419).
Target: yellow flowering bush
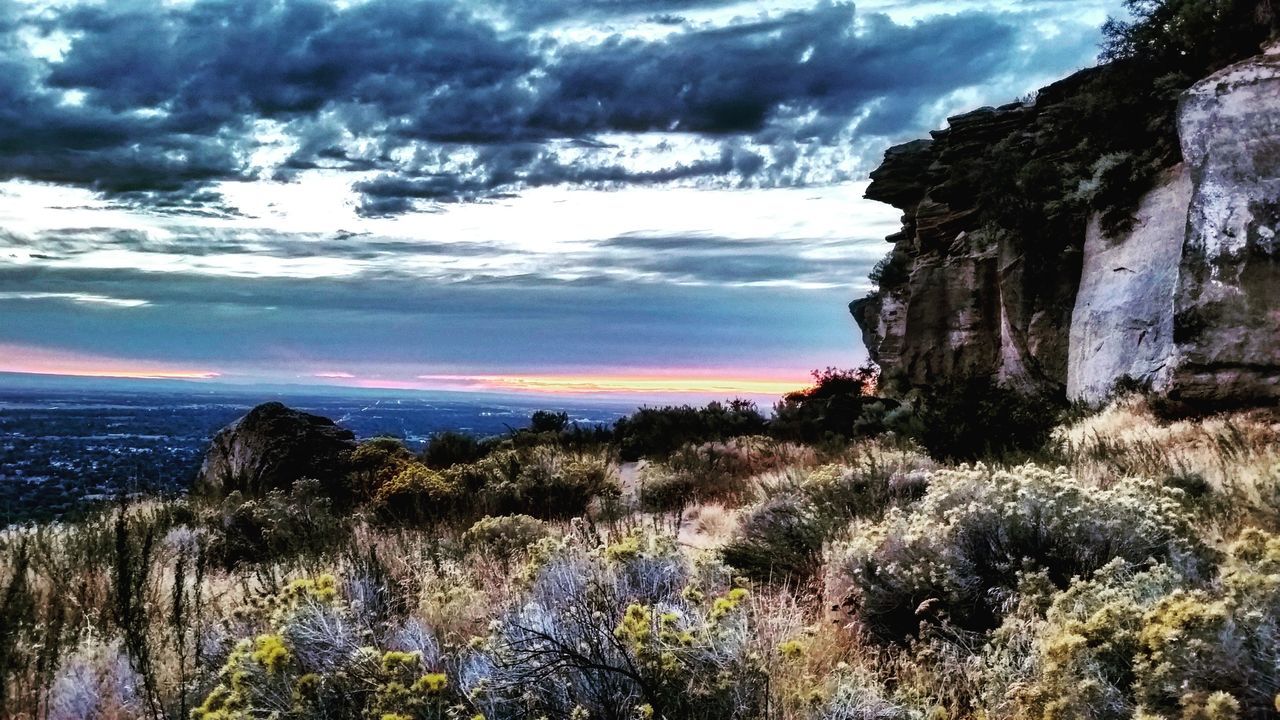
point(415, 493)
point(1075, 659)
point(1206, 651)
point(954, 554)
point(622, 627)
point(311, 660)
point(1148, 644)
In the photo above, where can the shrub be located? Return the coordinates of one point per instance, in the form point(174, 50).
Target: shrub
point(663, 490)
point(779, 541)
point(1148, 643)
point(657, 432)
point(978, 418)
point(1217, 648)
point(275, 527)
point(830, 409)
point(859, 696)
point(707, 472)
point(446, 449)
point(891, 271)
point(376, 462)
point(546, 421)
point(505, 536)
point(538, 481)
point(629, 631)
point(417, 493)
point(95, 681)
point(1194, 36)
point(957, 554)
point(304, 657)
point(1076, 658)
point(876, 479)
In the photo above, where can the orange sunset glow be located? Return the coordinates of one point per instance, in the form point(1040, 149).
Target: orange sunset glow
point(723, 382)
point(666, 382)
point(43, 361)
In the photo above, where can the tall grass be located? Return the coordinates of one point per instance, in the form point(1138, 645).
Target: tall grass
point(134, 612)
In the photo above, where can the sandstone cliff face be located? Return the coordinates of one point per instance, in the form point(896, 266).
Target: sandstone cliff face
point(1227, 322)
point(1122, 324)
point(270, 448)
point(971, 300)
point(1187, 299)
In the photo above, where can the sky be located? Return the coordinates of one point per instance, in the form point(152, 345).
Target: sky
point(659, 197)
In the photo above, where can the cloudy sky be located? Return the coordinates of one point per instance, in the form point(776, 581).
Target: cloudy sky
point(549, 195)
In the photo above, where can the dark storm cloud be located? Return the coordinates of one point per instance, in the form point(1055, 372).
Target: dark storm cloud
point(459, 100)
point(659, 11)
point(737, 79)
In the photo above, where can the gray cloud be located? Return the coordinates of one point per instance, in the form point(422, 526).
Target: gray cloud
point(453, 101)
point(394, 262)
point(505, 323)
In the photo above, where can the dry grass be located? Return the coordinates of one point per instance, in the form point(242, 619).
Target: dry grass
point(708, 526)
point(69, 651)
point(1236, 456)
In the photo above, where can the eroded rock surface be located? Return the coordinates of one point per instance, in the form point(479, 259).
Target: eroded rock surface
point(1122, 325)
point(1227, 322)
point(270, 448)
point(964, 300)
point(1185, 298)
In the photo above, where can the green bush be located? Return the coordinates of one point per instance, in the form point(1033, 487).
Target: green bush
point(957, 552)
point(663, 490)
point(779, 541)
point(891, 271)
point(828, 410)
point(657, 432)
point(274, 527)
point(540, 481)
point(866, 489)
point(977, 418)
point(707, 472)
point(505, 536)
point(546, 421)
point(418, 494)
point(375, 463)
point(1190, 36)
point(446, 449)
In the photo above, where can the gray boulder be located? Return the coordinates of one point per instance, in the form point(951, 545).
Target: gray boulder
point(272, 447)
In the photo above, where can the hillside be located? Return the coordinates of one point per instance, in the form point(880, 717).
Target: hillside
point(1129, 572)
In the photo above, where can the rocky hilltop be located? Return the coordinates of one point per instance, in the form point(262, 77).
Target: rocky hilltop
point(270, 448)
point(1019, 263)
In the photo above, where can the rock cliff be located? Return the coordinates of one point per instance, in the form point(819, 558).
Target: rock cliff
point(959, 295)
point(1183, 294)
point(270, 448)
point(1122, 323)
point(1227, 304)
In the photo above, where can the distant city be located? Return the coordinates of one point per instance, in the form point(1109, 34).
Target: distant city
point(65, 446)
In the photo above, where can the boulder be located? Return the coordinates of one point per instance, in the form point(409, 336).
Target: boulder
point(270, 448)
